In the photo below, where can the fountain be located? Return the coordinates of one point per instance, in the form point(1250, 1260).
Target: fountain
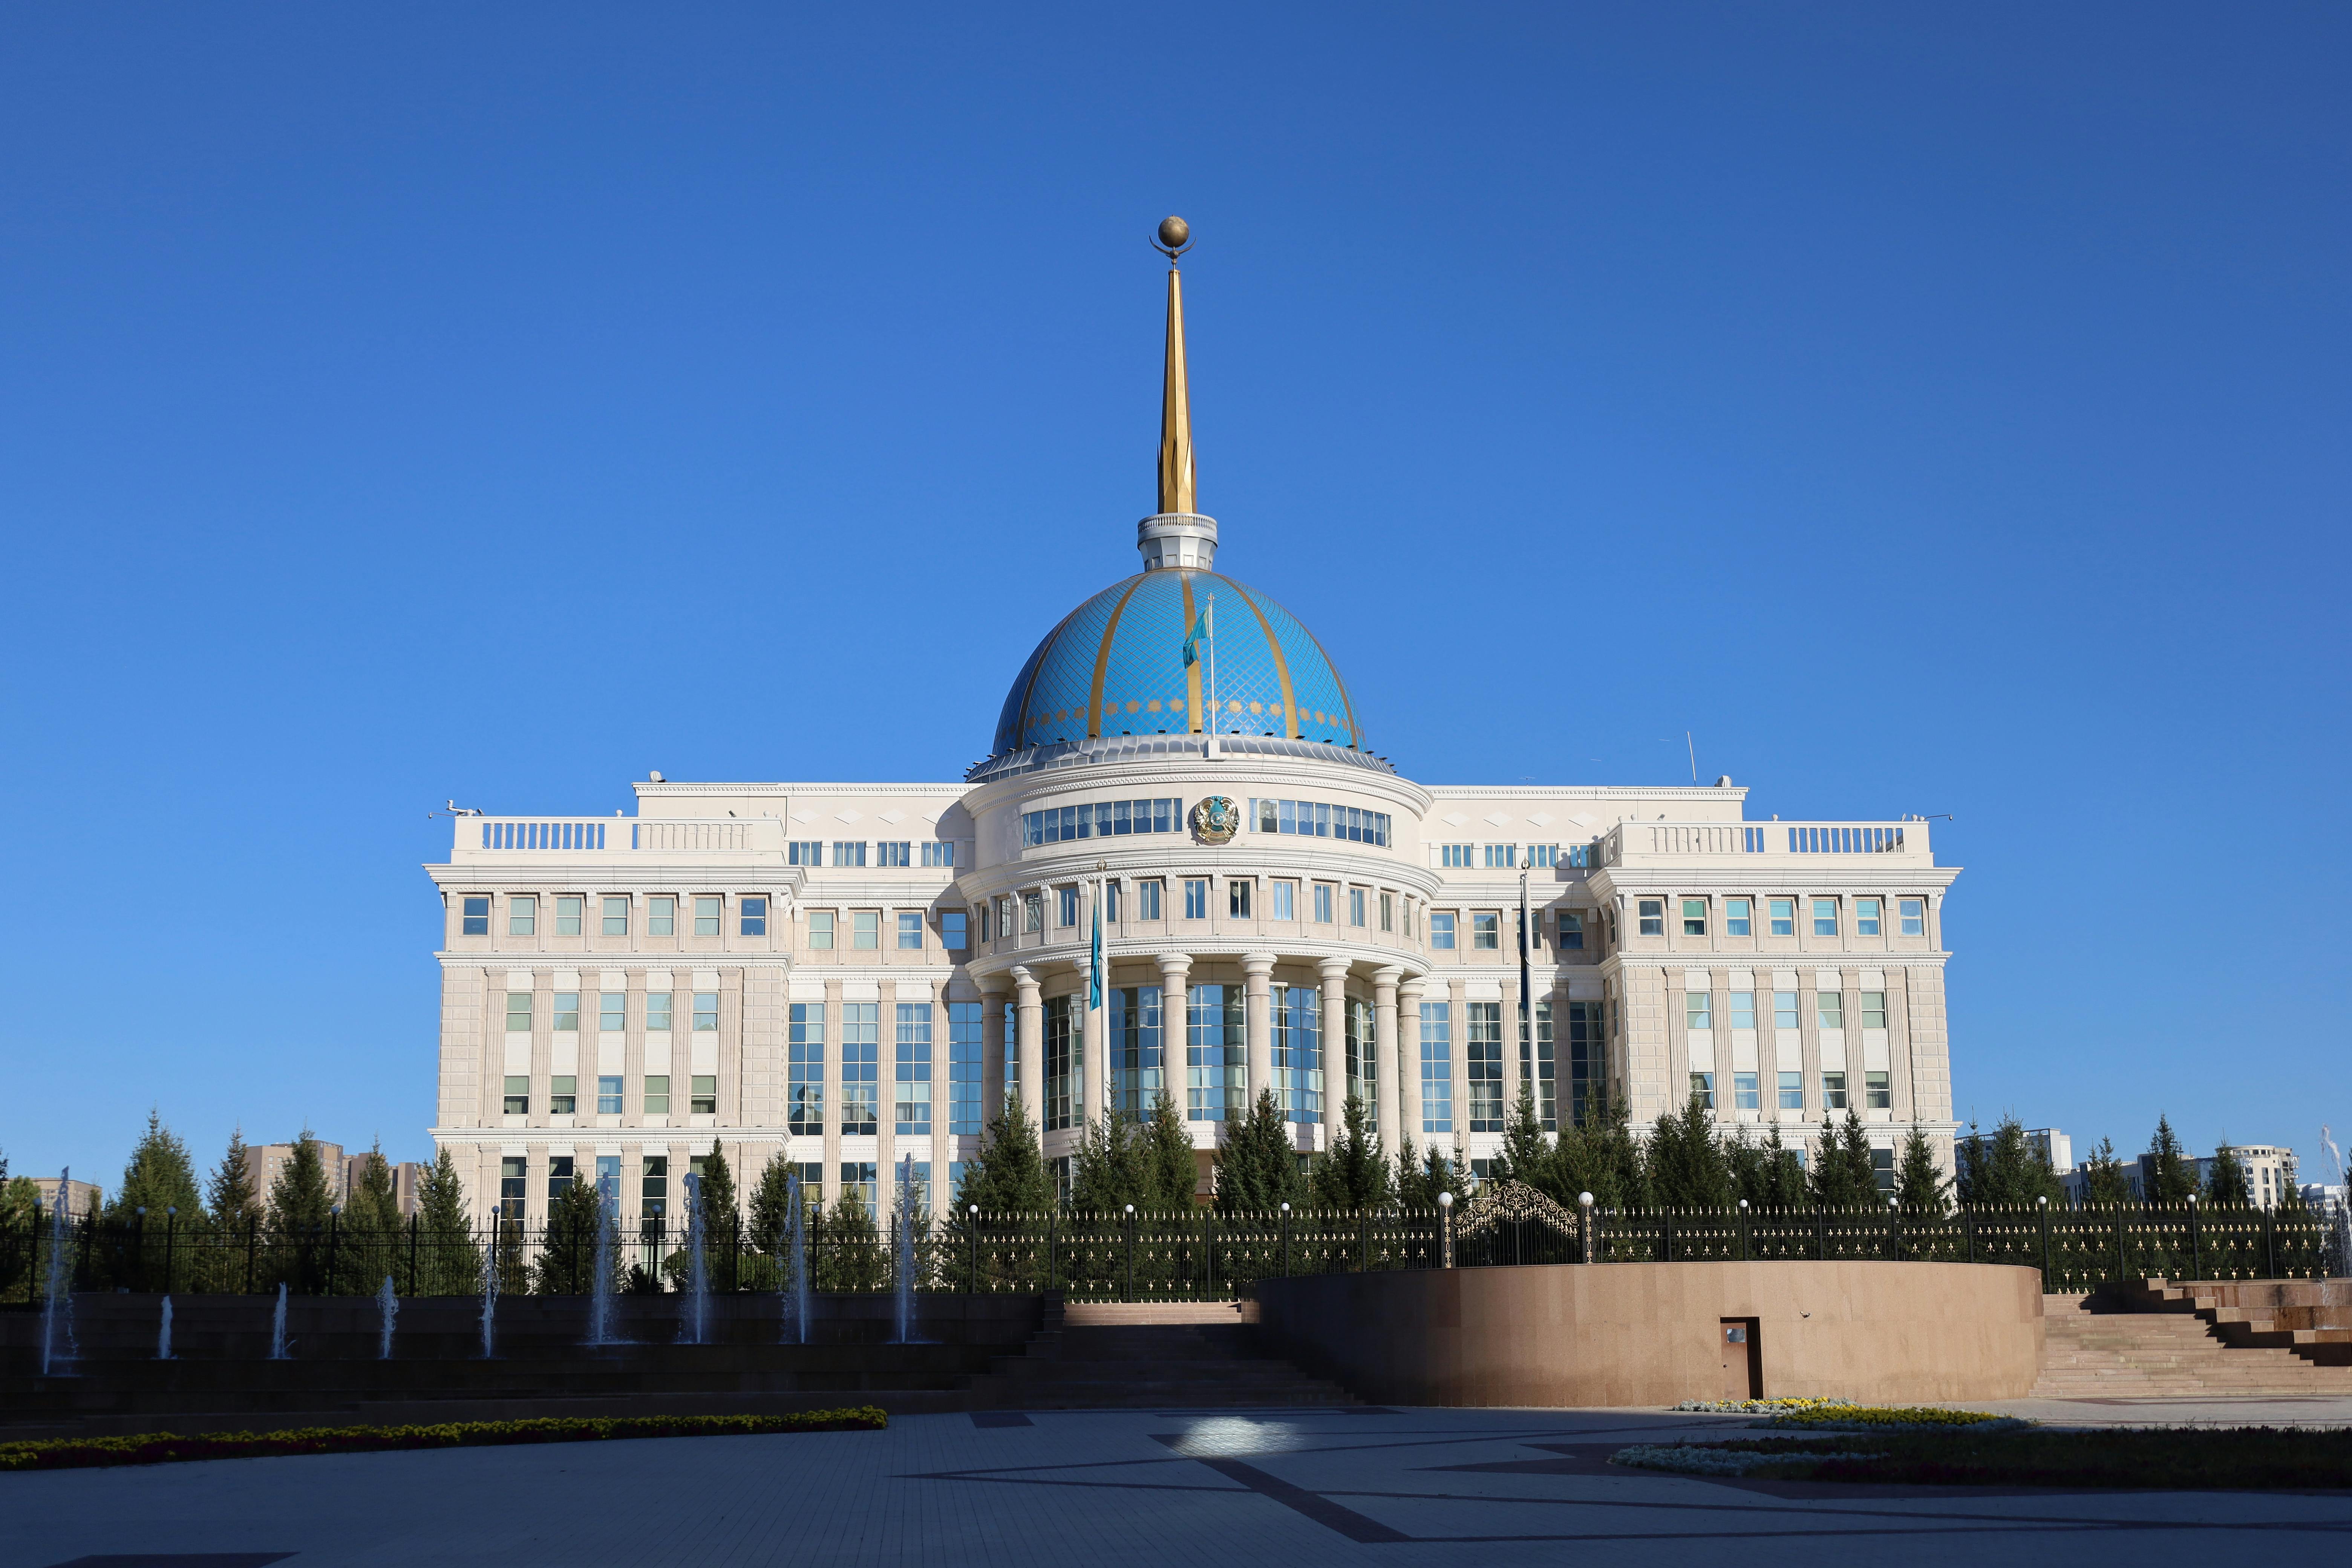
point(490, 1295)
point(387, 1306)
point(695, 1311)
point(278, 1326)
point(58, 1347)
point(906, 1249)
point(795, 1279)
point(600, 1286)
point(164, 1333)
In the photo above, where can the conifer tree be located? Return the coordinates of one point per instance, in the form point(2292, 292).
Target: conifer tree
point(1353, 1174)
point(1412, 1192)
point(1687, 1169)
point(566, 1264)
point(2227, 1184)
point(1525, 1149)
point(1172, 1172)
point(449, 1262)
point(369, 1240)
point(851, 1256)
point(772, 1203)
point(2105, 1184)
point(1920, 1185)
point(158, 1176)
point(1008, 1176)
point(2005, 1171)
point(1259, 1172)
point(234, 1205)
point(2174, 1178)
point(1108, 1172)
point(1842, 1176)
point(300, 1197)
point(1441, 1174)
point(721, 1211)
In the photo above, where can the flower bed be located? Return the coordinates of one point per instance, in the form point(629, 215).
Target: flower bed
point(167, 1448)
point(2243, 1458)
point(1893, 1418)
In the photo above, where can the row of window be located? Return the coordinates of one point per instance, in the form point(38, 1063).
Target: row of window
point(612, 1011)
point(885, 852)
point(709, 917)
point(857, 1176)
point(1317, 819)
point(1284, 901)
point(1510, 856)
point(1878, 1093)
point(1781, 915)
point(1103, 819)
point(653, 1097)
point(857, 1079)
point(866, 930)
point(1483, 1064)
point(1829, 1009)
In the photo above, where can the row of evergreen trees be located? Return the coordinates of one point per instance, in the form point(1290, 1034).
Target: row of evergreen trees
point(2004, 1168)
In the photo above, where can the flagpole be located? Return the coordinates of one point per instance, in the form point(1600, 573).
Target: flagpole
point(1526, 1004)
point(1212, 618)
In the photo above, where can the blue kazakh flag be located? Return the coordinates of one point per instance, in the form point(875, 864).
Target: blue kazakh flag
point(1192, 638)
point(1095, 959)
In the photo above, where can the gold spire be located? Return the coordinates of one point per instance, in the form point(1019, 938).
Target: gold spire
point(1176, 491)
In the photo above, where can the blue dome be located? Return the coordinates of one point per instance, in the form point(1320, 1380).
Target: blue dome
point(1115, 666)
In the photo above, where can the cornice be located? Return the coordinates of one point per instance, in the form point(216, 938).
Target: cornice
point(1177, 859)
point(760, 871)
point(1587, 792)
point(1195, 775)
point(1694, 876)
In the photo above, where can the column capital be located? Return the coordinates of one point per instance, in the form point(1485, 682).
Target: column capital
point(1174, 962)
point(1026, 980)
point(1387, 976)
point(1258, 966)
point(1333, 969)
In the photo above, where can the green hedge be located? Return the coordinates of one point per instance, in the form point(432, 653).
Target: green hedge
point(167, 1447)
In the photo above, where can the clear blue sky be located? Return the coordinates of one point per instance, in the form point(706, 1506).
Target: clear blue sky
point(1932, 412)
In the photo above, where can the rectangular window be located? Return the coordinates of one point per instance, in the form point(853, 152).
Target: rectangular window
point(567, 914)
point(1697, 1010)
point(1877, 1094)
point(1825, 917)
point(702, 1096)
point(1571, 931)
point(1388, 911)
point(1441, 929)
point(474, 917)
point(1784, 1010)
point(652, 1187)
point(1237, 898)
point(1298, 1017)
point(559, 1176)
point(1318, 819)
point(1882, 1171)
point(1363, 1053)
point(1216, 1081)
point(567, 1012)
point(616, 917)
point(563, 1094)
point(1588, 1055)
point(1543, 855)
point(1101, 819)
point(1455, 854)
point(1065, 1063)
point(849, 852)
point(706, 1010)
point(964, 1063)
point(657, 1020)
point(1356, 906)
point(1743, 1009)
point(804, 852)
point(661, 915)
point(1065, 901)
point(857, 1176)
point(952, 930)
point(522, 916)
point(753, 908)
point(1702, 1086)
point(1111, 897)
point(1913, 913)
point(911, 1107)
point(1540, 1071)
point(517, 1012)
point(911, 929)
point(1033, 913)
point(1483, 1048)
point(519, 1095)
point(1782, 914)
point(804, 1043)
point(1147, 900)
point(1744, 1095)
point(608, 1095)
point(1652, 913)
point(1196, 899)
point(1286, 900)
point(1485, 931)
point(1502, 857)
point(895, 852)
point(1829, 1009)
point(706, 917)
point(513, 1177)
point(1694, 917)
point(1738, 916)
point(657, 1094)
point(1832, 1091)
point(866, 930)
point(939, 852)
point(1874, 1009)
point(1437, 1067)
point(861, 1027)
point(1792, 1091)
point(1323, 903)
point(1865, 917)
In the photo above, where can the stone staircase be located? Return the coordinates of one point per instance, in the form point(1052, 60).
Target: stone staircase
point(1179, 1354)
point(2155, 1339)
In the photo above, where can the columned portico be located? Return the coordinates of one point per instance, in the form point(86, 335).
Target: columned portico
point(1334, 1010)
point(1385, 1058)
point(1257, 971)
point(1029, 1023)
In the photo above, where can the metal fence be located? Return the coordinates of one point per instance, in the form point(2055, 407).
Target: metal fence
point(1198, 1255)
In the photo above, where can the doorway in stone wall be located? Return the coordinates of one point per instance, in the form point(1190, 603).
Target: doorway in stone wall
point(1743, 1359)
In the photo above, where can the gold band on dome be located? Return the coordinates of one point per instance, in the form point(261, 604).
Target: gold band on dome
point(1281, 665)
point(1102, 662)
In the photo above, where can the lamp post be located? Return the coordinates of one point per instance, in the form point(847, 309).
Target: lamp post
point(1584, 1226)
point(2043, 1203)
point(1445, 1229)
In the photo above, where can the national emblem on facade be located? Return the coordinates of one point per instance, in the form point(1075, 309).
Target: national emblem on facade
point(1216, 819)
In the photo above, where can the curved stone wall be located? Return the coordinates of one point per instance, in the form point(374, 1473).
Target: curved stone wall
point(1651, 1333)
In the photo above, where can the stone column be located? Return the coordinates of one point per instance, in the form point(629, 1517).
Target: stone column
point(1029, 1024)
point(1409, 1061)
point(1458, 1015)
point(1391, 1085)
point(1096, 1032)
point(994, 991)
point(942, 1100)
point(835, 1102)
point(1335, 1045)
point(1257, 970)
point(1175, 973)
point(886, 1074)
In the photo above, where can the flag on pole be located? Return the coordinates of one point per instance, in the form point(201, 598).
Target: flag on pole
point(1095, 958)
point(1192, 638)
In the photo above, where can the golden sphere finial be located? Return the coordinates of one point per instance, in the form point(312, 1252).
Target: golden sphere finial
point(1175, 234)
